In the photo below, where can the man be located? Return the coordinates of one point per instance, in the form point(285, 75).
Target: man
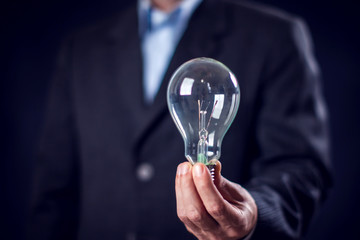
point(110, 148)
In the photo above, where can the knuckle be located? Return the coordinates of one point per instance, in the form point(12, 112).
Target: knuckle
point(182, 216)
point(217, 210)
point(189, 229)
point(233, 234)
point(194, 216)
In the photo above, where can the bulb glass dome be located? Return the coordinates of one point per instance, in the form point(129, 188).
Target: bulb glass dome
point(203, 97)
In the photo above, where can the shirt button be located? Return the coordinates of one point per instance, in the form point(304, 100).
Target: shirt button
point(145, 172)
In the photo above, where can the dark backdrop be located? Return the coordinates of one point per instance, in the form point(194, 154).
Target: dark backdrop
point(30, 35)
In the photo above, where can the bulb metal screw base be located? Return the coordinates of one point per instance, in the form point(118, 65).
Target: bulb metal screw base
point(211, 168)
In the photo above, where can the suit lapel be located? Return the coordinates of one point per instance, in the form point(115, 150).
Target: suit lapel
point(129, 60)
point(124, 50)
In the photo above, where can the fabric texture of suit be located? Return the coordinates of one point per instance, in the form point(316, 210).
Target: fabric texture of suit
point(99, 130)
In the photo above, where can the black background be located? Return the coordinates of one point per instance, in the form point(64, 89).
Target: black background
point(30, 35)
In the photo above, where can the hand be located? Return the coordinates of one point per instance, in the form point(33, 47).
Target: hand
point(213, 210)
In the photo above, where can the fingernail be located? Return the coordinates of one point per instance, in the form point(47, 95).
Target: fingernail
point(198, 170)
point(183, 169)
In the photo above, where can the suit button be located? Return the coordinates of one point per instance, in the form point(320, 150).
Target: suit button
point(130, 236)
point(145, 172)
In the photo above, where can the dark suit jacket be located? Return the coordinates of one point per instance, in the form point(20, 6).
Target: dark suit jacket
point(98, 129)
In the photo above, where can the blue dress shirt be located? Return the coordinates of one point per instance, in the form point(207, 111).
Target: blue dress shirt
point(160, 33)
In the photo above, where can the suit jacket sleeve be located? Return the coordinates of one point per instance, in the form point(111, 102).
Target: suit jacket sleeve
point(289, 176)
point(54, 200)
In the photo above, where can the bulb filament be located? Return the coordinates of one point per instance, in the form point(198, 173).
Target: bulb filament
point(202, 147)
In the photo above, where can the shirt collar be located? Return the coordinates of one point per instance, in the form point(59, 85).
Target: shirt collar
point(185, 10)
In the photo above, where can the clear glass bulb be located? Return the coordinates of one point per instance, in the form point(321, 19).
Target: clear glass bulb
point(203, 97)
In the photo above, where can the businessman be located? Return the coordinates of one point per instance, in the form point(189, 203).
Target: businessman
point(111, 162)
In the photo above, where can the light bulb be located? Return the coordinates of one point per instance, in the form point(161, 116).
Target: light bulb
point(203, 96)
